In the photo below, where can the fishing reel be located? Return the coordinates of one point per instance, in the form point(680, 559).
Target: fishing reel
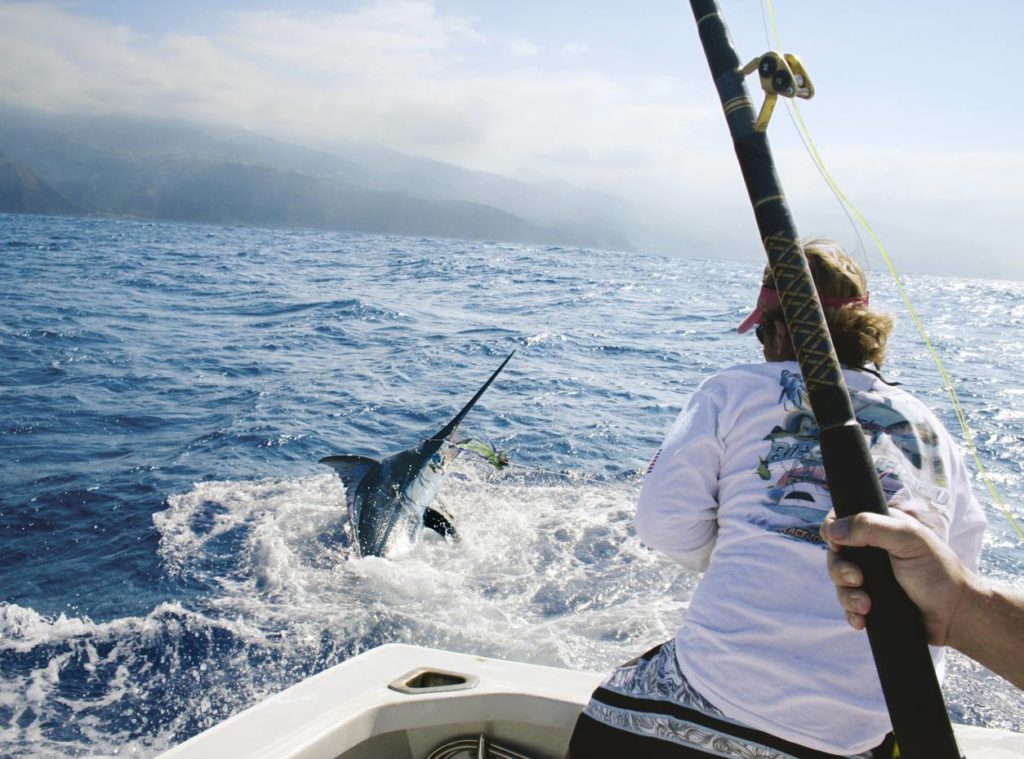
point(780, 75)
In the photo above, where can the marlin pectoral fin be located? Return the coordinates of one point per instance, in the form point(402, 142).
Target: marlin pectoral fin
point(437, 520)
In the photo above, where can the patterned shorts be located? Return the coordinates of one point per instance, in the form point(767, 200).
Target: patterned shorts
point(647, 708)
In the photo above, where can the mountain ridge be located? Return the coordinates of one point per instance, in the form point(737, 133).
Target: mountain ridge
point(22, 191)
point(159, 169)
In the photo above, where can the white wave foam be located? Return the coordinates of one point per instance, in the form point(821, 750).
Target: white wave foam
point(276, 518)
point(543, 338)
point(538, 565)
point(23, 629)
point(132, 659)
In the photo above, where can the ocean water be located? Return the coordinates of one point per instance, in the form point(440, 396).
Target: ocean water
point(170, 552)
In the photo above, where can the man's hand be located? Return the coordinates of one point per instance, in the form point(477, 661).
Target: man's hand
point(926, 568)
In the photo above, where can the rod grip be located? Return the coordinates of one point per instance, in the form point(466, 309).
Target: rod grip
point(896, 631)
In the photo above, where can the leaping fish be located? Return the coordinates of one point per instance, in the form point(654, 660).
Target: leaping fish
point(393, 498)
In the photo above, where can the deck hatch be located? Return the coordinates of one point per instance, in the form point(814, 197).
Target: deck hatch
point(428, 680)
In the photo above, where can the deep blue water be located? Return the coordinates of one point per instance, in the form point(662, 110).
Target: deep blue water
point(170, 552)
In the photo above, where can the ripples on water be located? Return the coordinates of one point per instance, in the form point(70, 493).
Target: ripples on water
point(170, 552)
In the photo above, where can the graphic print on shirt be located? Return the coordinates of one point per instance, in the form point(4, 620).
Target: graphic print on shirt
point(903, 445)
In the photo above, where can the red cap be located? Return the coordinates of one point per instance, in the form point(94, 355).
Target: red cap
point(768, 300)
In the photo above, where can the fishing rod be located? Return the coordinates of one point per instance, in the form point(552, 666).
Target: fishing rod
point(895, 629)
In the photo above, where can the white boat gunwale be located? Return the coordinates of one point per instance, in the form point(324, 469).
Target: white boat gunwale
point(351, 711)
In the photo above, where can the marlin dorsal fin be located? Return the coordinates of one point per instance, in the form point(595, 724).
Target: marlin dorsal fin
point(350, 468)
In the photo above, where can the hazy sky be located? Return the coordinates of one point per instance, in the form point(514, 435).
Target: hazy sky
point(917, 114)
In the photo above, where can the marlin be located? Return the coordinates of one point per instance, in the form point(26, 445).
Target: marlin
point(392, 498)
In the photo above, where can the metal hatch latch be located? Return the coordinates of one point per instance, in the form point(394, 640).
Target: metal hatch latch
point(780, 74)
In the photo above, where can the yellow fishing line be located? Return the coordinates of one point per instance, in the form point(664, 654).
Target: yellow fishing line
point(848, 206)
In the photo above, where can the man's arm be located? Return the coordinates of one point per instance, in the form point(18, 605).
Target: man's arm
point(960, 609)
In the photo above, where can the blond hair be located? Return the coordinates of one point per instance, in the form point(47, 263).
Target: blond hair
point(859, 334)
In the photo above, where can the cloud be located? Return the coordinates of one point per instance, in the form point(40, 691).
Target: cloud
point(523, 48)
point(382, 42)
point(405, 75)
point(400, 74)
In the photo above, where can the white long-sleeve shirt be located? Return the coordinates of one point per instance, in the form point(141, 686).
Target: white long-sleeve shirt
point(738, 490)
